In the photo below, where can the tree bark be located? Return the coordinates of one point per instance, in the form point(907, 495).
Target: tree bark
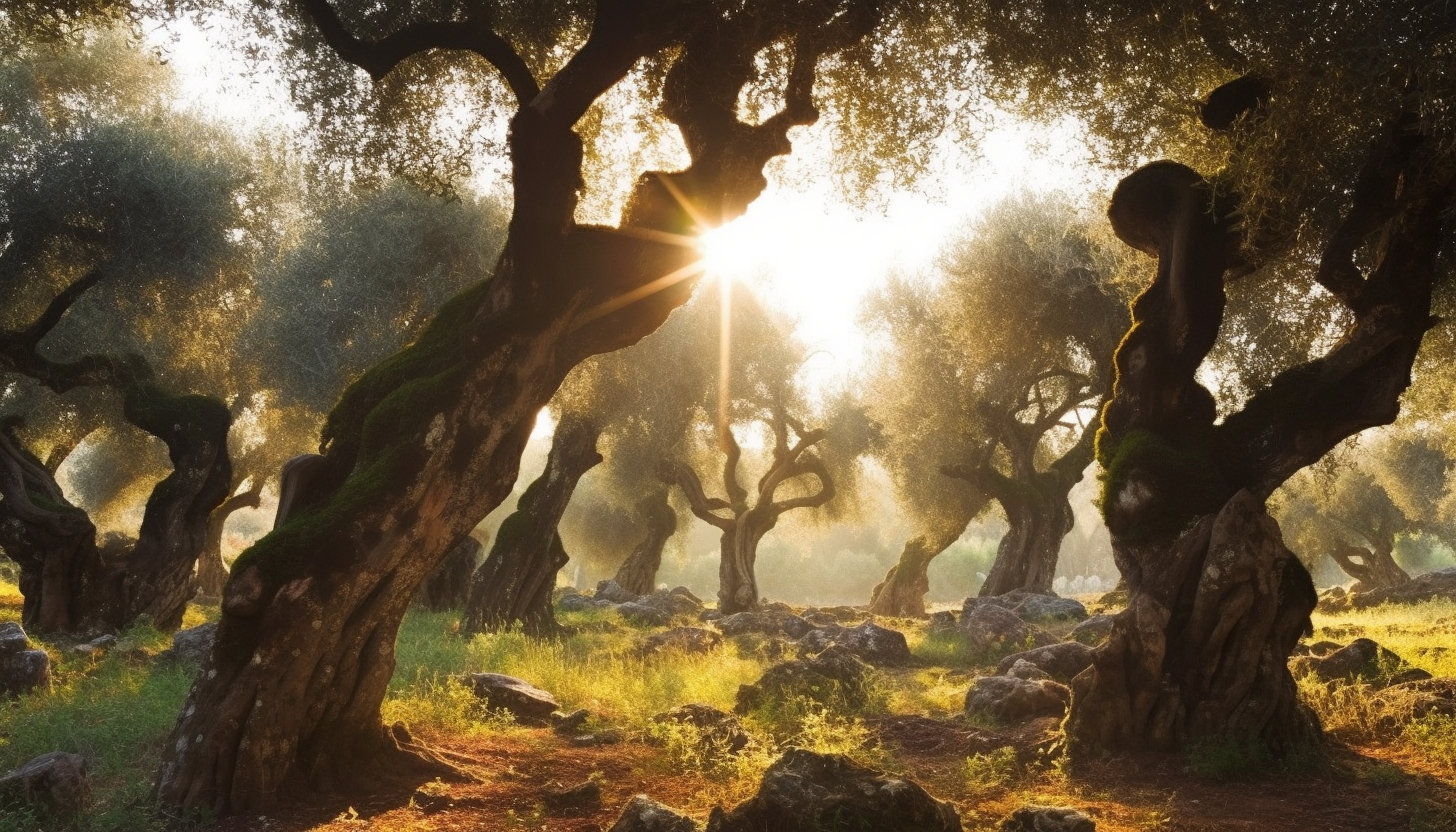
point(514, 585)
point(69, 585)
point(1216, 602)
point(902, 592)
point(638, 573)
point(425, 444)
point(449, 585)
point(1372, 568)
point(746, 524)
point(211, 570)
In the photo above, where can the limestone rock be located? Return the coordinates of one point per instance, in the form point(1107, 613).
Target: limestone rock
point(56, 780)
point(1023, 669)
point(681, 640)
point(720, 730)
point(582, 797)
point(1047, 819)
point(1361, 658)
point(643, 814)
point(990, 627)
point(1093, 631)
point(879, 646)
point(191, 646)
point(941, 622)
point(803, 790)
point(1009, 699)
point(1061, 661)
point(773, 622)
point(833, 672)
point(22, 668)
point(526, 702)
point(612, 591)
point(639, 613)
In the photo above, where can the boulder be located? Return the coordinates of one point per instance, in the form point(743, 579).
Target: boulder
point(1050, 608)
point(527, 703)
point(879, 646)
point(941, 622)
point(1047, 819)
point(804, 790)
point(582, 797)
point(1407, 701)
point(643, 814)
point(56, 780)
point(191, 646)
point(773, 622)
point(576, 602)
point(610, 590)
point(1008, 699)
point(1093, 631)
point(672, 603)
point(1023, 669)
point(22, 667)
point(1061, 661)
point(1361, 658)
point(834, 672)
point(680, 640)
point(637, 612)
point(990, 627)
point(720, 730)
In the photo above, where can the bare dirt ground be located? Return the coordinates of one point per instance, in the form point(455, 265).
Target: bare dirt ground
point(1348, 790)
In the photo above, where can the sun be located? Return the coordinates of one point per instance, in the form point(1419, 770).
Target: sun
point(734, 251)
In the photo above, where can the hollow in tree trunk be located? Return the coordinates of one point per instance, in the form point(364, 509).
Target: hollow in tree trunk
point(449, 585)
point(638, 573)
point(211, 571)
point(744, 525)
point(428, 442)
point(514, 584)
point(1216, 601)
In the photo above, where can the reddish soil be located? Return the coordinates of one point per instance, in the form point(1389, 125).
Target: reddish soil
point(1347, 792)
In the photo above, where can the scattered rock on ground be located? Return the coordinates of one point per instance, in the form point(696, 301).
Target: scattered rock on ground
point(1093, 631)
point(1047, 819)
point(676, 602)
point(56, 780)
point(568, 723)
point(681, 640)
point(607, 736)
point(612, 591)
point(574, 601)
point(1361, 658)
point(526, 702)
point(990, 627)
point(637, 612)
point(191, 646)
point(1438, 584)
point(1062, 660)
point(773, 622)
point(879, 646)
point(1023, 669)
point(1319, 648)
point(1009, 699)
point(643, 814)
point(719, 729)
point(96, 645)
point(1031, 606)
point(803, 790)
point(941, 622)
point(1408, 701)
point(22, 667)
point(834, 671)
point(582, 797)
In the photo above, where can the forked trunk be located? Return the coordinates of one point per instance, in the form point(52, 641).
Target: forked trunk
point(638, 573)
point(902, 592)
point(737, 582)
point(1373, 568)
point(211, 571)
point(1216, 602)
point(514, 585)
point(449, 585)
point(68, 584)
point(1038, 519)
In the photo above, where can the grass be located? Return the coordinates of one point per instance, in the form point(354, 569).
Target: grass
point(117, 709)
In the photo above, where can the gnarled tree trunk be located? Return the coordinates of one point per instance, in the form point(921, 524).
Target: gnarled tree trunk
point(1373, 568)
point(449, 585)
point(211, 571)
point(68, 584)
point(514, 584)
point(638, 573)
point(745, 525)
point(1216, 602)
point(902, 592)
point(425, 444)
